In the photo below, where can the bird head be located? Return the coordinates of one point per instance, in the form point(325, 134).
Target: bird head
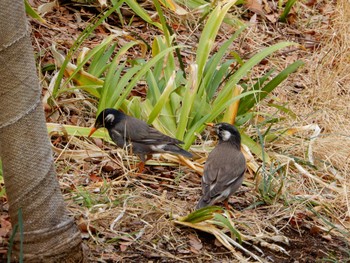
point(226, 132)
point(107, 119)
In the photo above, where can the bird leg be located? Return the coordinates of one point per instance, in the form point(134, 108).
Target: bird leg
point(141, 165)
point(226, 204)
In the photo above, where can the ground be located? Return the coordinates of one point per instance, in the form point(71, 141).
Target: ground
point(126, 217)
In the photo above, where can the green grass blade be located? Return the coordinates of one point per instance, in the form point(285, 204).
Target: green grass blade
point(117, 89)
point(202, 214)
point(255, 147)
point(32, 13)
point(113, 85)
point(86, 33)
point(141, 73)
point(91, 54)
point(212, 65)
point(252, 100)
point(227, 223)
point(244, 103)
point(216, 79)
point(187, 103)
point(246, 67)
point(289, 5)
point(209, 34)
point(142, 13)
point(199, 126)
point(162, 99)
point(100, 59)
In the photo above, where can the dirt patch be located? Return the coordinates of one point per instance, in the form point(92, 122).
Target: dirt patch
point(306, 247)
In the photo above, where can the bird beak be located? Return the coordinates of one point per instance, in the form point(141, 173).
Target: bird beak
point(210, 124)
point(93, 129)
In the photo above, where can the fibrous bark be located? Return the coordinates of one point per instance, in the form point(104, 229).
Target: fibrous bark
point(50, 234)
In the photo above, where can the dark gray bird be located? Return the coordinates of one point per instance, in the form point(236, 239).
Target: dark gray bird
point(224, 168)
point(143, 139)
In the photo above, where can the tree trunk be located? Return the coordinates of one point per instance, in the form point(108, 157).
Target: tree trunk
point(49, 233)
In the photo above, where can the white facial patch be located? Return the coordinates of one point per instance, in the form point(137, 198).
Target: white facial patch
point(225, 135)
point(109, 118)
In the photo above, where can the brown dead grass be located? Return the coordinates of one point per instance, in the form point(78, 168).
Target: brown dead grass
point(130, 218)
point(325, 102)
point(125, 218)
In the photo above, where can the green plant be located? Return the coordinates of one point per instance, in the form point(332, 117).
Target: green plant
point(32, 13)
point(17, 227)
point(178, 103)
point(270, 179)
point(270, 183)
point(286, 10)
point(87, 199)
point(216, 221)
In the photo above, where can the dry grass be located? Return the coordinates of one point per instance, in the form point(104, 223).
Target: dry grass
point(325, 102)
point(129, 218)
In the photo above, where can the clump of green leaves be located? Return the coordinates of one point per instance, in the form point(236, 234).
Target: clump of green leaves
point(178, 102)
point(218, 222)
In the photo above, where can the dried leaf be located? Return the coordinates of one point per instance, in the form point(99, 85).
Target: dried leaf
point(195, 243)
point(95, 178)
point(314, 230)
point(6, 226)
point(255, 6)
point(110, 167)
point(47, 7)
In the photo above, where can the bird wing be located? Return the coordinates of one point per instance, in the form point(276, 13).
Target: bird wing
point(139, 131)
point(223, 169)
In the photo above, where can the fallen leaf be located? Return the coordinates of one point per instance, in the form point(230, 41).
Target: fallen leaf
point(110, 167)
point(314, 230)
point(272, 18)
point(84, 227)
point(124, 246)
point(217, 243)
point(74, 119)
point(98, 142)
point(95, 178)
point(195, 243)
point(255, 6)
point(311, 2)
point(5, 226)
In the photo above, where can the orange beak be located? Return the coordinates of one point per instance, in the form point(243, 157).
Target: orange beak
point(210, 124)
point(93, 129)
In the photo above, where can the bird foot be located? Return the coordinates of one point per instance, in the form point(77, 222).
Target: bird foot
point(140, 167)
point(227, 206)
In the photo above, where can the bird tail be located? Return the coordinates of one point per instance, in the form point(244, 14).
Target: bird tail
point(177, 150)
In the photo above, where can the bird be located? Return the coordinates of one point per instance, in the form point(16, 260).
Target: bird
point(224, 169)
point(144, 140)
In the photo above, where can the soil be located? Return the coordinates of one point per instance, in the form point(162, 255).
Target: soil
point(150, 211)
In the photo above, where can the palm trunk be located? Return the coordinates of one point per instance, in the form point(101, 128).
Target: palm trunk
point(50, 234)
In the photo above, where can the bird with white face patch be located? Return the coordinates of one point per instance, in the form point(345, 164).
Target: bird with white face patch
point(143, 139)
point(224, 168)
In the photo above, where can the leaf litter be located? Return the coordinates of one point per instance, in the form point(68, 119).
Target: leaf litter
point(127, 218)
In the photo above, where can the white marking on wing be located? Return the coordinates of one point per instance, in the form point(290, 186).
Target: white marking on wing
point(116, 132)
point(212, 186)
point(231, 181)
point(226, 192)
point(159, 147)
